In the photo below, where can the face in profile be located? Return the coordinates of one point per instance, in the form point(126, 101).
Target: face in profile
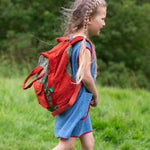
point(97, 21)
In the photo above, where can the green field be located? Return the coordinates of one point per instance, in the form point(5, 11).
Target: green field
point(120, 122)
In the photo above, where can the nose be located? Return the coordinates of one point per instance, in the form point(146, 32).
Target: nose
point(104, 23)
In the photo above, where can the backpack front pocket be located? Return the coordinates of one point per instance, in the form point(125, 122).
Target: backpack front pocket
point(40, 94)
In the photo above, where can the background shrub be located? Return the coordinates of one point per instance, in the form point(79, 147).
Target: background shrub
point(123, 47)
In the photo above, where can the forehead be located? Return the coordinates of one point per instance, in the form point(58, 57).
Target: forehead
point(101, 11)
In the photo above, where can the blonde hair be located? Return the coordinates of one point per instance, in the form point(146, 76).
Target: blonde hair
point(78, 16)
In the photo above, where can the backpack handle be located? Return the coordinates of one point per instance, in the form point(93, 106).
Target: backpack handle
point(74, 40)
point(62, 39)
point(38, 69)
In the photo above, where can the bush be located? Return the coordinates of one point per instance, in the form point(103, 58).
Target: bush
point(117, 74)
point(27, 28)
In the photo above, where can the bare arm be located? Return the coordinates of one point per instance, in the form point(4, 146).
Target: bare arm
point(88, 80)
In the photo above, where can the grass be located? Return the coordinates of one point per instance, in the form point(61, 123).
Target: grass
point(120, 122)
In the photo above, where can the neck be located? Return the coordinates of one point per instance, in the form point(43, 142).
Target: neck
point(79, 33)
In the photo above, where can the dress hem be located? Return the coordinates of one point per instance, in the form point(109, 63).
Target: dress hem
point(75, 136)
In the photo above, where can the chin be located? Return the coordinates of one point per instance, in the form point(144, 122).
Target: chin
point(95, 33)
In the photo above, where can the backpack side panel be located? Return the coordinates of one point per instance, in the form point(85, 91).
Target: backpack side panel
point(41, 85)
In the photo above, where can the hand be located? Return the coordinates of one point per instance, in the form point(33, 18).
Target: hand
point(94, 101)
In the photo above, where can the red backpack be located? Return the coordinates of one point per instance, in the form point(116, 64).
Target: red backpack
point(53, 85)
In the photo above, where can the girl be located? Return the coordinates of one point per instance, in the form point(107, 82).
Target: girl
point(87, 17)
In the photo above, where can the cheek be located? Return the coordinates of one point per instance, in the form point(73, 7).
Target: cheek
point(99, 21)
point(96, 19)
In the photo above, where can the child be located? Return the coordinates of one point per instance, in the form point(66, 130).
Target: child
point(87, 17)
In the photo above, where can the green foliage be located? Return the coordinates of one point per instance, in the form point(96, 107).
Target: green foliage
point(124, 46)
point(29, 27)
point(120, 121)
point(117, 74)
point(125, 38)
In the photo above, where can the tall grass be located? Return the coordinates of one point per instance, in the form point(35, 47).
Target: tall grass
point(120, 122)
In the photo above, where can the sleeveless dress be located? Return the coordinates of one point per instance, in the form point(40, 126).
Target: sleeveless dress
point(75, 121)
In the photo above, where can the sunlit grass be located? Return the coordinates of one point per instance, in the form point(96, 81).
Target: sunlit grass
point(120, 122)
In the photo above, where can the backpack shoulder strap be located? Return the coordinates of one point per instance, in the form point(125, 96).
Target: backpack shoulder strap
point(76, 39)
point(79, 38)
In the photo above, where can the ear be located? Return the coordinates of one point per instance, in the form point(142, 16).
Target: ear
point(90, 19)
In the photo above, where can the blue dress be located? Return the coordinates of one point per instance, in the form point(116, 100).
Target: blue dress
point(75, 121)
